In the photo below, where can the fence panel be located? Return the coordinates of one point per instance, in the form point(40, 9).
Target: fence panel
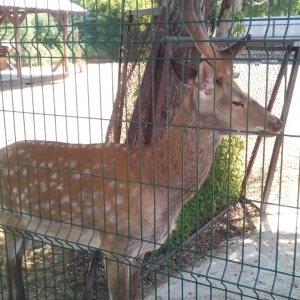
point(133, 166)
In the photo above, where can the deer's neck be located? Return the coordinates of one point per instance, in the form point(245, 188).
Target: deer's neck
point(185, 154)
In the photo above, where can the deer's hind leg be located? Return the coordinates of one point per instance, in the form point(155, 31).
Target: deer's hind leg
point(90, 279)
point(15, 245)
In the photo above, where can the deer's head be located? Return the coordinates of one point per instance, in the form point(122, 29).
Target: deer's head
point(215, 91)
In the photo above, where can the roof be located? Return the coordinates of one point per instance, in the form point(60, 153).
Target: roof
point(43, 5)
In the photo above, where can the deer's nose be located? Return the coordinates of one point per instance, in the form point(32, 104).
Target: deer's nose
point(277, 126)
point(274, 125)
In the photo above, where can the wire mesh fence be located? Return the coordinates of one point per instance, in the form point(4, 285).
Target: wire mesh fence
point(103, 148)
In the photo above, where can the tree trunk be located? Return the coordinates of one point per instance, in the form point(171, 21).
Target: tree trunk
point(227, 12)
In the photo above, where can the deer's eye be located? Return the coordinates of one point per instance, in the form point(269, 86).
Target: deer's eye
point(238, 104)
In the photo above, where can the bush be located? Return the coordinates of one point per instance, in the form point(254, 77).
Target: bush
point(220, 187)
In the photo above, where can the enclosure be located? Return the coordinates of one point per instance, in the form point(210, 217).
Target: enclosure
point(98, 74)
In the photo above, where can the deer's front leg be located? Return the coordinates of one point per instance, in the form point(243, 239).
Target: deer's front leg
point(15, 249)
point(117, 270)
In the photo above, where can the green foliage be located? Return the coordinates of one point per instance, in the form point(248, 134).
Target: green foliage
point(100, 30)
point(239, 28)
point(273, 8)
point(220, 187)
point(40, 37)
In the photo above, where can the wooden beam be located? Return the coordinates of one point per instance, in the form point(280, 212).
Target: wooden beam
point(22, 17)
point(63, 21)
point(9, 15)
point(17, 41)
point(16, 17)
point(64, 24)
point(155, 11)
point(78, 50)
point(2, 18)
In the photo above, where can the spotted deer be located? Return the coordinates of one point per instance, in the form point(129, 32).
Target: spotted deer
point(119, 199)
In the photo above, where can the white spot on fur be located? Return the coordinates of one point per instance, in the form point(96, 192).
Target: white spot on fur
point(63, 213)
point(43, 165)
point(112, 218)
point(97, 194)
point(61, 159)
point(50, 165)
point(21, 151)
point(54, 176)
point(65, 199)
point(24, 172)
point(134, 192)
point(73, 163)
point(108, 206)
point(45, 205)
point(121, 185)
point(15, 190)
point(43, 187)
point(112, 184)
point(89, 210)
point(96, 210)
point(75, 205)
point(77, 221)
point(120, 199)
point(75, 176)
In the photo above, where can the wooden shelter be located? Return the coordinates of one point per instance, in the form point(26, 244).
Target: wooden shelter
point(16, 11)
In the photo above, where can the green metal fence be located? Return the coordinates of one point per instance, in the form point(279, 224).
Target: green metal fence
point(110, 117)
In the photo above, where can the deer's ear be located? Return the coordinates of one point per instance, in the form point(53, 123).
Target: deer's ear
point(206, 78)
point(184, 73)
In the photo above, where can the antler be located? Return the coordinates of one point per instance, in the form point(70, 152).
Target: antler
point(197, 30)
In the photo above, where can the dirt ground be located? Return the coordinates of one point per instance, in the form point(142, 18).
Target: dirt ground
point(54, 273)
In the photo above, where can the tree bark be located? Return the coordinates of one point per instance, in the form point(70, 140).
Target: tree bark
point(227, 12)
